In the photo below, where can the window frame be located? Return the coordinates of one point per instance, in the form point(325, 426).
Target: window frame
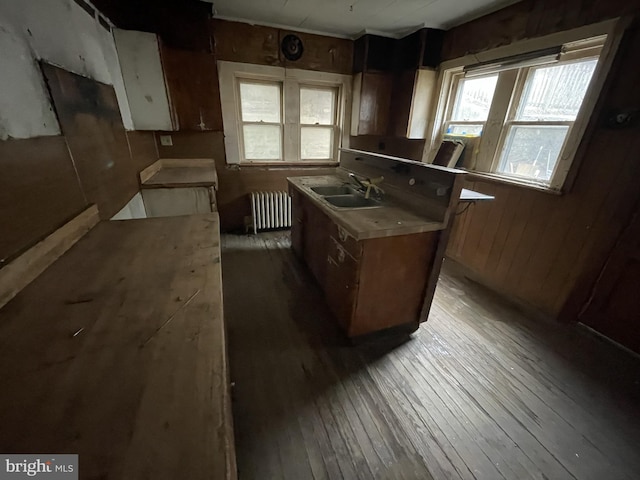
point(242, 122)
point(333, 126)
point(491, 143)
point(230, 75)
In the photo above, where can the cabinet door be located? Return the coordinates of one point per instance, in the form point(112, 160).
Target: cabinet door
point(341, 283)
point(297, 223)
point(141, 65)
point(315, 240)
point(371, 103)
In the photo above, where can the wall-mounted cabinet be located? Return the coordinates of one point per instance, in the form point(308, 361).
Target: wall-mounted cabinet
point(371, 103)
point(394, 83)
point(144, 81)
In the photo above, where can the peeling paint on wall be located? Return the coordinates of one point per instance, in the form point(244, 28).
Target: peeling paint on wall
point(59, 32)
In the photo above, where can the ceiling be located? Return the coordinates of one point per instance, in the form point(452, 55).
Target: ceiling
point(351, 18)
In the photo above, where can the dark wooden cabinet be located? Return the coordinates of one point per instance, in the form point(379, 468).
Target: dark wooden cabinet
point(371, 103)
point(394, 83)
point(341, 283)
point(370, 285)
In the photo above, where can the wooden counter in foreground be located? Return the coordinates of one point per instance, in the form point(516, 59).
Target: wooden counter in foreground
point(117, 352)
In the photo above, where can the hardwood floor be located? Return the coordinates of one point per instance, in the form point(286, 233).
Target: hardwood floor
point(478, 392)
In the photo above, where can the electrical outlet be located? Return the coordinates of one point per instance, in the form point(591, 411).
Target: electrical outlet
point(166, 140)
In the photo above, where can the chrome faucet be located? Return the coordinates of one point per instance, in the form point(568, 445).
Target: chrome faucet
point(368, 184)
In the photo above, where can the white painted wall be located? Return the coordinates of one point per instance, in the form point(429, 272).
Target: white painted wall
point(139, 55)
point(25, 109)
point(59, 32)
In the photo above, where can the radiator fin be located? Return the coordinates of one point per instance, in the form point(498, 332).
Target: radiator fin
point(270, 210)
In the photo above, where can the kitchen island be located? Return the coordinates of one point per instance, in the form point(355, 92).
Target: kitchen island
point(377, 264)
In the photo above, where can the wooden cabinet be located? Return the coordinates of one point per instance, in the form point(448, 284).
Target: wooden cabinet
point(371, 103)
point(341, 283)
point(370, 285)
point(309, 235)
point(394, 84)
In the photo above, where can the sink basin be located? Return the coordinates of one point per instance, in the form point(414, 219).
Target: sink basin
point(333, 190)
point(351, 201)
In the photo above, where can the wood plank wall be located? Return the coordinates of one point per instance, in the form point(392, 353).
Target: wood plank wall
point(46, 181)
point(543, 249)
point(193, 86)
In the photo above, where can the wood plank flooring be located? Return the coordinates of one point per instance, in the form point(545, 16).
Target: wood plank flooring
point(478, 392)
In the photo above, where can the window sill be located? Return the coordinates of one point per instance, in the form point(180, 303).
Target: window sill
point(490, 177)
point(281, 165)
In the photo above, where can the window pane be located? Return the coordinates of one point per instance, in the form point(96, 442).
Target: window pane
point(260, 102)
point(473, 98)
point(317, 106)
point(532, 151)
point(555, 92)
point(465, 129)
point(262, 142)
point(315, 143)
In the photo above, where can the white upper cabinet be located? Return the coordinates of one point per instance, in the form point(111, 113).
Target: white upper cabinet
point(141, 65)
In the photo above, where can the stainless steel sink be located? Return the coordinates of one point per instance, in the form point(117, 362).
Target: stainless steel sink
point(351, 201)
point(334, 190)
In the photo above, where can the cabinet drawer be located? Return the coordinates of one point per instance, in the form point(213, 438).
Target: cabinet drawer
point(346, 241)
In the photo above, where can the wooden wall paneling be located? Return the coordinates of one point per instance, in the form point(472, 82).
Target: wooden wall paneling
point(321, 53)
point(510, 198)
point(492, 221)
point(477, 223)
point(499, 28)
point(557, 214)
point(531, 237)
point(143, 150)
point(592, 191)
point(514, 235)
point(91, 123)
point(612, 216)
point(544, 246)
point(192, 80)
point(460, 227)
point(241, 42)
point(39, 192)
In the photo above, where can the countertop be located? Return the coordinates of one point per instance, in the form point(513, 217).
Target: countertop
point(117, 352)
point(177, 177)
point(363, 223)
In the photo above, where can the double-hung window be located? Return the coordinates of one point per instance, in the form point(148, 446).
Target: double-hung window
point(538, 124)
point(523, 115)
point(261, 118)
point(274, 115)
point(318, 122)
